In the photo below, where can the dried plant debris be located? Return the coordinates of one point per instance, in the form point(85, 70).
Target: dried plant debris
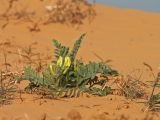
point(5, 47)
point(130, 87)
point(30, 56)
point(154, 101)
point(70, 12)
point(16, 11)
point(5, 15)
point(7, 88)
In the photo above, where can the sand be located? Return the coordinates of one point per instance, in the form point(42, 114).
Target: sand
point(127, 37)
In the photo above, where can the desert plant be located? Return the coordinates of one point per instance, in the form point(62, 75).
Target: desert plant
point(67, 76)
point(154, 100)
point(70, 11)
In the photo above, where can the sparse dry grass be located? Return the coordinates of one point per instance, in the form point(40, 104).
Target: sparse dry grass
point(70, 12)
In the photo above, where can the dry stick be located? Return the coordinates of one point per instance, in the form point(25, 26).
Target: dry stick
point(101, 59)
point(151, 69)
point(7, 22)
point(1, 93)
point(6, 12)
point(155, 78)
point(20, 95)
point(40, 66)
point(154, 86)
point(1, 80)
point(35, 25)
point(5, 60)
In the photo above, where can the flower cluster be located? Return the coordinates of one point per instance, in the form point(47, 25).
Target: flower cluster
point(62, 63)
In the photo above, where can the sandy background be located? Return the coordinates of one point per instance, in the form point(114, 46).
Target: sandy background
point(127, 37)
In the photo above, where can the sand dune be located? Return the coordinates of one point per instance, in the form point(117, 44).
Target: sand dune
point(127, 37)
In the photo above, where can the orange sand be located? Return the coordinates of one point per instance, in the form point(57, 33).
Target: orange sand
point(127, 37)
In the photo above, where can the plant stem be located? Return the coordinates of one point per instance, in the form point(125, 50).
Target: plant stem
point(154, 86)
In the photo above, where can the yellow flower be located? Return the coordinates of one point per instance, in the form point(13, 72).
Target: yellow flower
point(60, 61)
point(67, 62)
point(51, 69)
